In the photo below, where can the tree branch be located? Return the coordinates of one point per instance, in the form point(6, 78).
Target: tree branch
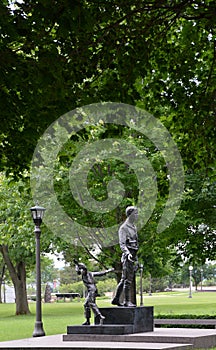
point(8, 262)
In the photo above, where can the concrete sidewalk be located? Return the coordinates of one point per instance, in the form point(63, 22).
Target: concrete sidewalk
point(161, 338)
point(55, 342)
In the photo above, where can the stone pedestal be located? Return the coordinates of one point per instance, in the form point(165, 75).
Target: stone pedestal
point(101, 329)
point(141, 318)
point(118, 321)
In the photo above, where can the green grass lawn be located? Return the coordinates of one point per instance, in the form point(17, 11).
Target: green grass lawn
point(57, 316)
point(179, 303)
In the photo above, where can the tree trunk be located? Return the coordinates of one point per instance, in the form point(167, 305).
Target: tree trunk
point(18, 277)
point(1, 280)
point(22, 307)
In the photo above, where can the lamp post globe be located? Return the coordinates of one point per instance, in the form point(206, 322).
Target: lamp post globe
point(37, 216)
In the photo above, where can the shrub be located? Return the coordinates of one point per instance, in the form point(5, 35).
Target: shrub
point(186, 316)
point(76, 287)
point(108, 285)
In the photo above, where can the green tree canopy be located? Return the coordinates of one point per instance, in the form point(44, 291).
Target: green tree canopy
point(17, 241)
point(56, 56)
point(158, 55)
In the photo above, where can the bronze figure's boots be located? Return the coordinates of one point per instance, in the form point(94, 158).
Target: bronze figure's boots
point(87, 322)
point(97, 313)
point(87, 316)
point(101, 318)
point(116, 298)
point(127, 301)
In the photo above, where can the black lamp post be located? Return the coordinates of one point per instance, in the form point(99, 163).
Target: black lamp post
point(190, 276)
point(141, 285)
point(37, 215)
point(201, 272)
point(150, 285)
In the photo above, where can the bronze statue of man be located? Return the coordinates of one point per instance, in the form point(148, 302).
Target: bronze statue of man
point(89, 282)
point(128, 241)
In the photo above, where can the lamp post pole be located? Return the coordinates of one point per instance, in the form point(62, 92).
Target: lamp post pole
point(150, 285)
point(141, 285)
point(201, 271)
point(37, 214)
point(190, 289)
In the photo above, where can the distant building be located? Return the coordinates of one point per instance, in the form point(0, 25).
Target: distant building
point(8, 294)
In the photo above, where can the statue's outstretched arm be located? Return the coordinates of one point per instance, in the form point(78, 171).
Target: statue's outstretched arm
point(102, 273)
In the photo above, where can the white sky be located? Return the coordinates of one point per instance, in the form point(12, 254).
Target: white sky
point(58, 260)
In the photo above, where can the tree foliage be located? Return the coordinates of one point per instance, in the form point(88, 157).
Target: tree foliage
point(158, 55)
point(56, 56)
point(17, 242)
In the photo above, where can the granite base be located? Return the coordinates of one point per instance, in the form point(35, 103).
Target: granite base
point(118, 321)
point(141, 318)
point(101, 329)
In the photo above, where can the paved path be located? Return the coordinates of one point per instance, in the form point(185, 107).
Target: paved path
point(56, 342)
point(160, 339)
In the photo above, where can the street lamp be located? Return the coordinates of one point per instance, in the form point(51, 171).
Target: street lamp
point(201, 277)
point(190, 272)
point(141, 285)
point(150, 285)
point(37, 215)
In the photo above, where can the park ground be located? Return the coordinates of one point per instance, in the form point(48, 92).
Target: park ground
point(57, 316)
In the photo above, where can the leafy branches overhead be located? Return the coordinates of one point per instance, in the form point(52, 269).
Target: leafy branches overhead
point(200, 244)
point(57, 55)
point(17, 241)
point(159, 55)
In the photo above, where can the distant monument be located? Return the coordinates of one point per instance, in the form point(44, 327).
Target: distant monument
point(47, 294)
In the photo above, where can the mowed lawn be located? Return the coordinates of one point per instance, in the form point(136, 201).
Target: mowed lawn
point(57, 316)
point(201, 303)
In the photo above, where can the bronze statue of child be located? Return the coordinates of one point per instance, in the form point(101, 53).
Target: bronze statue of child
point(92, 293)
